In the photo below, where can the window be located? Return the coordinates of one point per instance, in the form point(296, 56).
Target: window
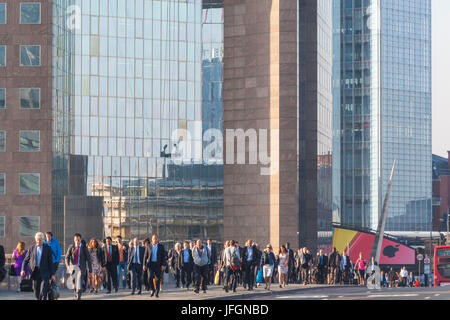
point(30, 141)
point(29, 226)
point(2, 98)
point(2, 227)
point(2, 56)
point(29, 183)
point(2, 141)
point(2, 13)
point(2, 183)
point(30, 56)
point(30, 13)
point(30, 98)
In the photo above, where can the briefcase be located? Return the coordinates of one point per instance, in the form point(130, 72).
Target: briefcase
point(53, 292)
point(26, 285)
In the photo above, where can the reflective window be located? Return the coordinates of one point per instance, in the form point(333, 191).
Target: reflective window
point(30, 56)
point(2, 13)
point(29, 183)
point(2, 184)
point(2, 141)
point(2, 98)
point(2, 56)
point(30, 98)
point(30, 13)
point(29, 226)
point(2, 227)
point(30, 141)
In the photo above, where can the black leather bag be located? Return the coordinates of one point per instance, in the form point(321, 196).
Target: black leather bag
point(26, 285)
point(2, 273)
point(53, 292)
point(12, 271)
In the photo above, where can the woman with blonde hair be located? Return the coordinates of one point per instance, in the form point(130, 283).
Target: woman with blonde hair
point(283, 263)
point(97, 258)
point(18, 256)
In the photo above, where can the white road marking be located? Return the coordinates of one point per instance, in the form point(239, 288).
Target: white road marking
point(437, 295)
point(426, 298)
point(302, 297)
point(392, 295)
point(341, 296)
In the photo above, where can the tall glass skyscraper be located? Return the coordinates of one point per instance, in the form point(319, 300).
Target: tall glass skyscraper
point(382, 112)
point(127, 80)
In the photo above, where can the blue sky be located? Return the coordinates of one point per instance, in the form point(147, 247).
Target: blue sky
point(441, 73)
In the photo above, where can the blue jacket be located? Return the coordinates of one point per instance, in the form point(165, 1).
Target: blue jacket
point(56, 249)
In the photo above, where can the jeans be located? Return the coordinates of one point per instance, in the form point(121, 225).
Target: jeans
point(201, 276)
point(233, 275)
point(122, 266)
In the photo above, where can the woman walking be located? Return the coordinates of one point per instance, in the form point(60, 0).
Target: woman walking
point(267, 265)
point(283, 263)
point(361, 266)
point(18, 256)
point(97, 259)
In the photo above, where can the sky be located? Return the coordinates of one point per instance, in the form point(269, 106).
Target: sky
point(441, 73)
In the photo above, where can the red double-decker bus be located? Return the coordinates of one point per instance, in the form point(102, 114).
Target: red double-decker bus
point(441, 265)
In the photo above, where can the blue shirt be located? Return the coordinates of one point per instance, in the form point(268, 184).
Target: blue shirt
point(38, 255)
point(250, 254)
point(154, 253)
point(56, 250)
point(186, 256)
point(321, 260)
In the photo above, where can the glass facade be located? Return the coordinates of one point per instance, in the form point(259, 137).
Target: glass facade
point(126, 83)
point(29, 183)
point(2, 98)
point(2, 141)
point(30, 56)
point(385, 112)
point(30, 98)
point(2, 227)
point(30, 141)
point(2, 13)
point(2, 56)
point(2, 183)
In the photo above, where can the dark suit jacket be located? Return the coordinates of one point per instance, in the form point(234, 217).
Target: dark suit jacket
point(114, 255)
point(141, 254)
point(291, 258)
point(255, 260)
point(174, 259)
point(324, 261)
point(83, 256)
point(213, 254)
point(46, 267)
point(2, 257)
point(160, 256)
point(181, 259)
point(334, 260)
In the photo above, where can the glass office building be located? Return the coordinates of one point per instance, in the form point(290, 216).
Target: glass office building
point(383, 112)
point(128, 78)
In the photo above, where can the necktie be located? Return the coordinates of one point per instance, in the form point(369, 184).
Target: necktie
point(136, 260)
point(76, 256)
point(109, 253)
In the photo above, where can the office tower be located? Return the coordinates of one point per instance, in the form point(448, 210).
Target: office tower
point(382, 96)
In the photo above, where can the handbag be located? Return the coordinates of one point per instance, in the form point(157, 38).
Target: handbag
point(260, 277)
point(216, 279)
point(26, 285)
point(12, 271)
point(53, 292)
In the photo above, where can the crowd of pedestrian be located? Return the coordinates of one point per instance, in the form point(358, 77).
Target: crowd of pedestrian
point(100, 265)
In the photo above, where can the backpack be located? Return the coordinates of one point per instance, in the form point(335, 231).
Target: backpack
point(235, 260)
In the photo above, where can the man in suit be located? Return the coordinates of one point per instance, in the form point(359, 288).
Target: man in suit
point(77, 258)
point(186, 265)
point(155, 262)
point(175, 262)
point(135, 265)
point(40, 259)
point(2, 263)
point(304, 259)
point(111, 262)
point(334, 263)
point(249, 263)
point(213, 259)
point(321, 263)
point(291, 265)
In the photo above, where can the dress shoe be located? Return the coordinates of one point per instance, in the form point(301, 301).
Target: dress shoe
point(153, 293)
point(139, 292)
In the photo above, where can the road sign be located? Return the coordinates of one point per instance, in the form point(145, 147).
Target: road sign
point(420, 257)
point(427, 261)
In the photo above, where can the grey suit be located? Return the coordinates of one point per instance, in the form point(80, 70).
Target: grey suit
point(84, 260)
